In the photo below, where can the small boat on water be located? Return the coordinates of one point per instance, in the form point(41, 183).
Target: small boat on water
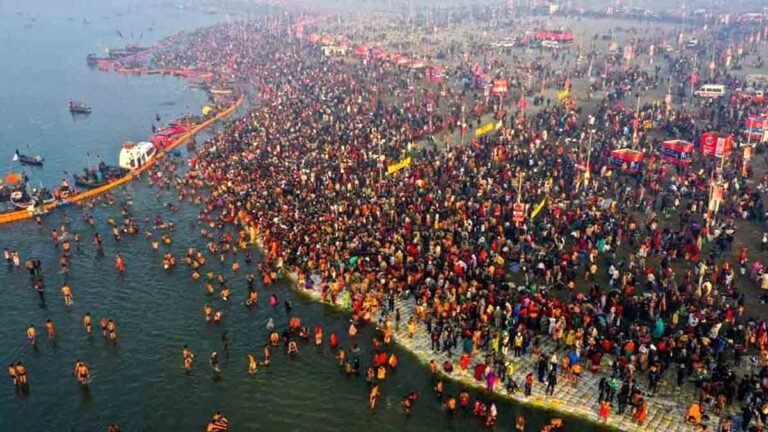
point(35, 160)
point(79, 108)
point(23, 199)
point(104, 174)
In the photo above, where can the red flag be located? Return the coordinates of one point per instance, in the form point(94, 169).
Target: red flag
point(522, 103)
point(694, 78)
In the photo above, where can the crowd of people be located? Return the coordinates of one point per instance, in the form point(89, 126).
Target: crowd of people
point(604, 269)
point(629, 273)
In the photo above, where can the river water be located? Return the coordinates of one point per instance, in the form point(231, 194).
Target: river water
point(139, 383)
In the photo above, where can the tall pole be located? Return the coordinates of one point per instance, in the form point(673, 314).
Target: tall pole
point(693, 71)
point(589, 156)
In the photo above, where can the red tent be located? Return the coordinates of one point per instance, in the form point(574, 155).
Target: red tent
point(377, 52)
point(433, 73)
point(677, 152)
point(629, 159)
point(500, 86)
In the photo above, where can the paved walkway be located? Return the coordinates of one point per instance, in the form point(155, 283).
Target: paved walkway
point(667, 407)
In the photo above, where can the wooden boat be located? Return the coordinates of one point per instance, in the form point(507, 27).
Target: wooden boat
point(93, 178)
point(79, 108)
point(35, 160)
point(22, 199)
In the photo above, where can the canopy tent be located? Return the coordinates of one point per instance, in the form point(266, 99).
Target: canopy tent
point(628, 159)
point(377, 52)
point(500, 86)
point(756, 127)
point(433, 74)
point(677, 152)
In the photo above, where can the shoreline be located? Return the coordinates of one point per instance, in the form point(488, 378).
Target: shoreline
point(464, 378)
point(20, 215)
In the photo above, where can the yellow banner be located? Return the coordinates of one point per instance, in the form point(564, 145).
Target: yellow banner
point(563, 94)
point(398, 166)
point(538, 208)
point(484, 129)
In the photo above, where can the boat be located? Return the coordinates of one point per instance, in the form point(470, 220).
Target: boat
point(134, 156)
point(104, 174)
point(23, 199)
point(35, 160)
point(93, 59)
point(79, 108)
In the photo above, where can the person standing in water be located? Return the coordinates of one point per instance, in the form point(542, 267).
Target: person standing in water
point(373, 396)
point(50, 328)
point(251, 364)
point(82, 373)
point(87, 323)
point(213, 360)
point(32, 335)
point(66, 291)
point(187, 355)
point(112, 330)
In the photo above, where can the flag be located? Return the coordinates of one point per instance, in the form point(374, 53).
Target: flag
point(398, 166)
point(563, 94)
point(522, 103)
point(538, 208)
point(16, 156)
point(484, 129)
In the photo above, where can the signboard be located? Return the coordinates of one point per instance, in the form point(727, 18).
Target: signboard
point(518, 212)
point(712, 144)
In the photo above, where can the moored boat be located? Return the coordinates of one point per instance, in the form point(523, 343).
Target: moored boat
point(35, 160)
point(103, 175)
point(25, 200)
point(79, 108)
point(134, 156)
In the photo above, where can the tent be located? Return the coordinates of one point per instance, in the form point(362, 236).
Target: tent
point(377, 52)
point(677, 152)
point(500, 86)
point(756, 127)
point(630, 160)
point(433, 74)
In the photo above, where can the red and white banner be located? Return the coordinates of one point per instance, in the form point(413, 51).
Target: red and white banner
point(714, 145)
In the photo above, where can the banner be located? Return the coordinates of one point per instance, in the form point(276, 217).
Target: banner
point(500, 86)
point(398, 166)
point(518, 212)
point(487, 128)
point(712, 144)
point(538, 208)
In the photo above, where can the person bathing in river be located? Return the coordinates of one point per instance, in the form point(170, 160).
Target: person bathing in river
point(293, 348)
point(267, 356)
point(187, 355)
point(82, 373)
